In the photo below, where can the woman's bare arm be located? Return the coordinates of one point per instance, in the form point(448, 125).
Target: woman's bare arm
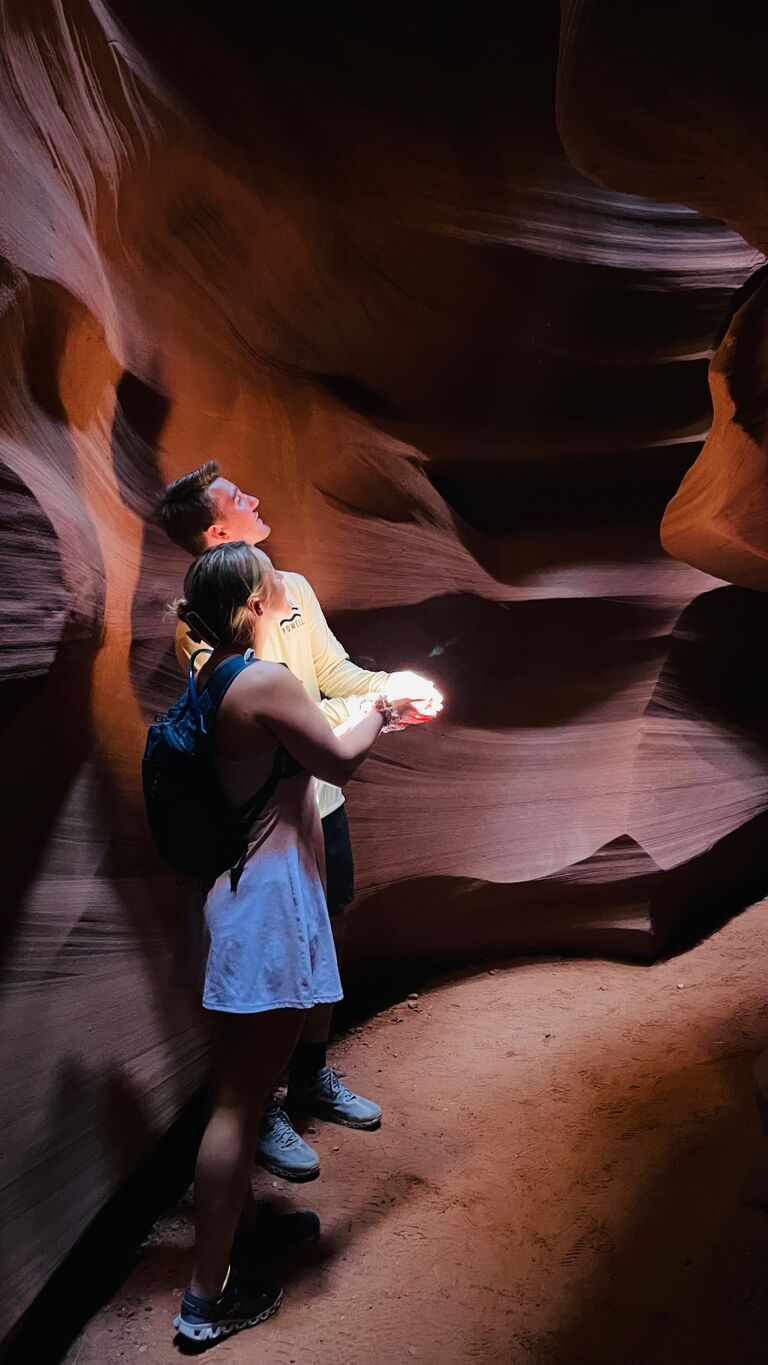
point(270, 695)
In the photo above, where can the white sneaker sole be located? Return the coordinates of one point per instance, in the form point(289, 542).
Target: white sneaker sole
point(216, 1331)
point(331, 1116)
point(284, 1173)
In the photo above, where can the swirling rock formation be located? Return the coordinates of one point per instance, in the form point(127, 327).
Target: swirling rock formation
point(670, 103)
point(345, 255)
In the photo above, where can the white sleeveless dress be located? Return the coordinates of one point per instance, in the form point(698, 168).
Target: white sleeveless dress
point(270, 944)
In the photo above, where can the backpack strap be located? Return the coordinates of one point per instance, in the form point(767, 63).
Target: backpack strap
point(255, 803)
point(253, 807)
point(192, 685)
point(204, 649)
point(216, 687)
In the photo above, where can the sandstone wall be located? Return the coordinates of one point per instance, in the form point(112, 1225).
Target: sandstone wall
point(346, 256)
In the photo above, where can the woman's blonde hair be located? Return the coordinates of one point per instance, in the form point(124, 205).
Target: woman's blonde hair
point(217, 589)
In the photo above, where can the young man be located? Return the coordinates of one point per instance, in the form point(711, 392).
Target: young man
point(203, 509)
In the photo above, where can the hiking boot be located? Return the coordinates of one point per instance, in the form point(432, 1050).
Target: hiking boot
point(325, 1097)
point(271, 1235)
point(237, 1306)
point(282, 1151)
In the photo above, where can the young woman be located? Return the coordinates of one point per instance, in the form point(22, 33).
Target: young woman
point(271, 954)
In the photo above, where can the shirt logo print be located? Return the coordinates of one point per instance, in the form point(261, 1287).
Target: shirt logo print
point(292, 622)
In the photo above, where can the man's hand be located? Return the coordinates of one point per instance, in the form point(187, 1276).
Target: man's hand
point(427, 701)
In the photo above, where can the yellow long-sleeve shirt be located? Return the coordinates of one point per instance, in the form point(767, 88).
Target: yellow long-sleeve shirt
point(304, 641)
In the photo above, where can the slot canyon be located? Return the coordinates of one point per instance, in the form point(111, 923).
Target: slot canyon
point(474, 301)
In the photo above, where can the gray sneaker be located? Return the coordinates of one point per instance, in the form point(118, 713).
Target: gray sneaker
point(283, 1151)
point(325, 1097)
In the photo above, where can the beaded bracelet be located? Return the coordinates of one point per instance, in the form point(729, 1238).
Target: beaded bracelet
point(389, 715)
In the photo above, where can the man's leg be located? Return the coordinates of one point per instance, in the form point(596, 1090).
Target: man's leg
point(314, 1089)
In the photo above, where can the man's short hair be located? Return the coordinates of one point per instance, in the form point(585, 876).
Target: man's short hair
point(187, 508)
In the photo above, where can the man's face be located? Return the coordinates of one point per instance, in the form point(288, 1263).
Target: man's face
point(237, 516)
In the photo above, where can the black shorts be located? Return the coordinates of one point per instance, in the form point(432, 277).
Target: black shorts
point(339, 867)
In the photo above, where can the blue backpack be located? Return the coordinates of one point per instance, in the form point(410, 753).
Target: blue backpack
point(196, 830)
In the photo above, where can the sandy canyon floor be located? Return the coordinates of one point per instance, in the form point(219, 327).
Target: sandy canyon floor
point(571, 1169)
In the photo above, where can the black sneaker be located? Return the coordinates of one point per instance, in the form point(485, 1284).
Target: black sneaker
point(238, 1306)
point(276, 1234)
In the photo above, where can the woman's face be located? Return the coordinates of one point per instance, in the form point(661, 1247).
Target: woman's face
point(273, 599)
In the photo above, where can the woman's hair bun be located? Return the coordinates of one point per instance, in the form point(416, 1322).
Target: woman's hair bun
point(220, 584)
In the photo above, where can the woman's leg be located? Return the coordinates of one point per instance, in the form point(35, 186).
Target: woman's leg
point(251, 1050)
